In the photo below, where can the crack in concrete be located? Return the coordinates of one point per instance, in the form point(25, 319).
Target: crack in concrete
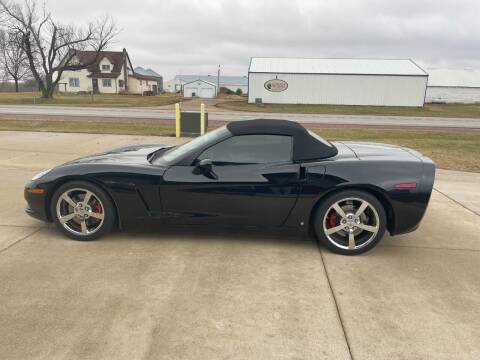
point(456, 201)
point(337, 307)
point(19, 240)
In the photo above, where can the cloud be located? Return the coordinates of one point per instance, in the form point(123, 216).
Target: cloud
point(180, 36)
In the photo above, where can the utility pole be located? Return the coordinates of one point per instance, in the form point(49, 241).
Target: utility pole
point(218, 80)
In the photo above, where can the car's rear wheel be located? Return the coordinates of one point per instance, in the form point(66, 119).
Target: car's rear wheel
point(350, 222)
point(82, 210)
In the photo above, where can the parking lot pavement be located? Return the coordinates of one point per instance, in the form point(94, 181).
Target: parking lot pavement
point(178, 294)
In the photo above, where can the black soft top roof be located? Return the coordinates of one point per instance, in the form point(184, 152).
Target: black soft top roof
point(305, 146)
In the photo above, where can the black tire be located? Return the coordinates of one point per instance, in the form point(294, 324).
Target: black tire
point(338, 241)
point(107, 210)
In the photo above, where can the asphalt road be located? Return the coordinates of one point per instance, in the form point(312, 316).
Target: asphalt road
point(178, 294)
point(167, 113)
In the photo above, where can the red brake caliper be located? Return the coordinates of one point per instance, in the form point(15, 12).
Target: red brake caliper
point(97, 207)
point(332, 220)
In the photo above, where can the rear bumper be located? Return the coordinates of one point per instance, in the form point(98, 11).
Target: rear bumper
point(36, 204)
point(410, 206)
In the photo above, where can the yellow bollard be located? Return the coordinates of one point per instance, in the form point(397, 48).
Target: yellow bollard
point(202, 119)
point(177, 120)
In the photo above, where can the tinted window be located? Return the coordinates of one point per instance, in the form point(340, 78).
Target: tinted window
point(251, 149)
point(178, 152)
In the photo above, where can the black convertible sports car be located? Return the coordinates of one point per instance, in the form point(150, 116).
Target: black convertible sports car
point(266, 173)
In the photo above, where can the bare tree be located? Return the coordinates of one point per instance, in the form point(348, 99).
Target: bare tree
point(13, 59)
point(50, 46)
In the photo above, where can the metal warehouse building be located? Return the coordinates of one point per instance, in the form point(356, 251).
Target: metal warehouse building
point(230, 82)
point(336, 81)
point(200, 88)
point(453, 86)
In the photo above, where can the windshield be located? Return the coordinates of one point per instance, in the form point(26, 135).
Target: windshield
point(176, 153)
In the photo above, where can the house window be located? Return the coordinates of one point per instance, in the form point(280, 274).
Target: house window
point(106, 67)
point(147, 82)
point(120, 83)
point(74, 82)
point(141, 82)
point(107, 82)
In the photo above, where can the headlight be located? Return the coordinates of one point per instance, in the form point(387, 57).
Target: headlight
point(40, 174)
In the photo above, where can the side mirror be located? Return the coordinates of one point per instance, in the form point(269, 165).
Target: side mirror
point(204, 166)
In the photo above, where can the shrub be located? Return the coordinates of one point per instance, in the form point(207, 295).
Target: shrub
point(224, 90)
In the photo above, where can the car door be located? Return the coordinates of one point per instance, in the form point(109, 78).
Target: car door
point(253, 181)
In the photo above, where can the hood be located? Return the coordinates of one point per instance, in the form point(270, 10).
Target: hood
point(371, 151)
point(131, 154)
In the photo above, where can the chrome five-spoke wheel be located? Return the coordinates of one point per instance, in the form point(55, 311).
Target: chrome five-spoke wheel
point(80, 211)
point(350, 222)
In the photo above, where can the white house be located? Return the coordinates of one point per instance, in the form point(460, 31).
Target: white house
point(111, 73)
point(336, 81)
point(200, 88)
point(232, 83)
point(174, 85)
point(453, 86)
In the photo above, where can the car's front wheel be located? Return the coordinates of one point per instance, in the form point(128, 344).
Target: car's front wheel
point(350, 222)
point(82, 210)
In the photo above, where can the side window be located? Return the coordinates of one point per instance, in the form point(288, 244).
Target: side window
point(74, 82)
point(250, 149)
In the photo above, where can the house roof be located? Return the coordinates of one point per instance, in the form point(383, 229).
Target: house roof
point(336, 66)
point(224, 80)
point(115, 57)
point(143, 77)
point(454, 77)
point(207, 82)
point(147, 72)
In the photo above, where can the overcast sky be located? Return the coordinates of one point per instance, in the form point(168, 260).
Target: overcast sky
point(193, 37)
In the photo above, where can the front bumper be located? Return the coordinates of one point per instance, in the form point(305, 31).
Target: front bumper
point(36, 203)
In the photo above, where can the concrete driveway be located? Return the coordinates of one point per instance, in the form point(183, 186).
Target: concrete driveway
point(169, 294)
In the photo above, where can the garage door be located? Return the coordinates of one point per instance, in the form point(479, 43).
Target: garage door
point(207, 93)
point(191, 91)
